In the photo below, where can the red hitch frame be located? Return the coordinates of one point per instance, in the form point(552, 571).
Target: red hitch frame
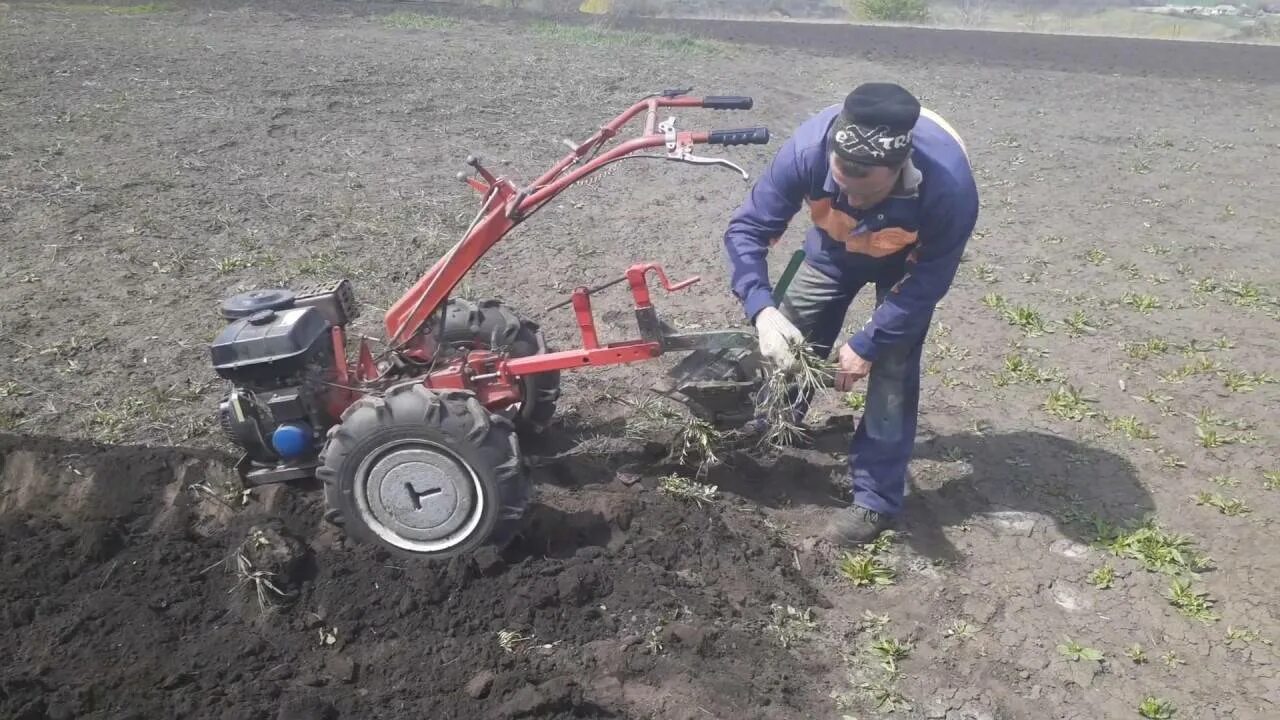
point(494, 377)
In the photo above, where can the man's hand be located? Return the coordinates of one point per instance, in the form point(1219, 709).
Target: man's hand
point(852, 368)
point(777, 337)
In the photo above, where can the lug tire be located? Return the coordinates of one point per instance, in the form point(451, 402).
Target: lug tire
point(490, 324)
point(384, 443)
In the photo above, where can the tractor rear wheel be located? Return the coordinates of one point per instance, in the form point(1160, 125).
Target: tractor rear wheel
point(424, 474)
point(492, 325)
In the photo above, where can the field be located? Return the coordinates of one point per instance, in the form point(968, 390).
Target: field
point(1089, 532)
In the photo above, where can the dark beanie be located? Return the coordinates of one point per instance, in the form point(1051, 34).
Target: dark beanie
point(874, 128)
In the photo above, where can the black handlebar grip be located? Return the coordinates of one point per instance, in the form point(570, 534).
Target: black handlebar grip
point(727, 102)
point(743, 136)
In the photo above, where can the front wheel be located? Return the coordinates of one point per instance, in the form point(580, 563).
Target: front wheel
point(424, 473)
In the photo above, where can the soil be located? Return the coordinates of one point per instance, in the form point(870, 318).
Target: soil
point(152, 162)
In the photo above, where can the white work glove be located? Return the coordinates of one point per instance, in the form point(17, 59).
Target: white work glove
point(777, 338)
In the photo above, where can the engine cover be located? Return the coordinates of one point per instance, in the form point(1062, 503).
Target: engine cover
point(272, 345)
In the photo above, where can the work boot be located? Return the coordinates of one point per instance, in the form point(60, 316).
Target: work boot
point(857, 525)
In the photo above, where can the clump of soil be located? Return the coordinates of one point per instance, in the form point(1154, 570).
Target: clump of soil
point(615, 602)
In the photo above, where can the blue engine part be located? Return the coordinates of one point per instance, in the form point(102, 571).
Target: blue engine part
point(292, 439)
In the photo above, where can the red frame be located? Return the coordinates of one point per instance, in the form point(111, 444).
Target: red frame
point(495, 378)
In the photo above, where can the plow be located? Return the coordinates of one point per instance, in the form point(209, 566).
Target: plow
point(418, 446)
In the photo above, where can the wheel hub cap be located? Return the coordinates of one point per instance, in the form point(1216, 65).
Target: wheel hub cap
point(422, 496)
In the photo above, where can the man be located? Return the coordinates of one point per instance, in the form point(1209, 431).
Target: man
point(893, 202)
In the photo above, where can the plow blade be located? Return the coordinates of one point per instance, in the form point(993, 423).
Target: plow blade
point(718, 386)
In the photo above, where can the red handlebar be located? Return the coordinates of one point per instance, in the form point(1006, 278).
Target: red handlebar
point(506, 205)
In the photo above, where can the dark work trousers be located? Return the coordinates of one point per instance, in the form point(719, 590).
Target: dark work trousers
point(885, 436)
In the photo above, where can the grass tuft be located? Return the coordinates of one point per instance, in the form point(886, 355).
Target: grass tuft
point(142, 9)
point(602, 38)
point(404, 20)
point(686, 489)
point(1147, 349)
point(1131, 427)
point(808, 374)
point(1104, 577)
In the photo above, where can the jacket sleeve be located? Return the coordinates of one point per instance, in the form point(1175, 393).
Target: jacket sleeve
point(904, 314)
point(760, 221)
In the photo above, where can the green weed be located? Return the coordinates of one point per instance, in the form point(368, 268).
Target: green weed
point(1068, 403)
point(1271, 479)
point(856, 401)
point(891, 651)
point(960, 629)
point(1195, 604)
point(1146, 349)
point(986, 273)
point(865, 569)
point(1243, 636)
point(1243, 294)
point(1210, 438)
point(1156, 548)
point(1200, 366)
point(1130, 269)
point(231, 264)
point(1227, 506)
point(1104, 577)
point(1243, 382)
point(1096, 256)
point(1141, 302)
point(1078, 324)
point(1136, 654)
point(1154, 708)
point(995, 301)
point(1026, 318)
point(1075, 652)
point(1206, 286)
point(1172, 659)
point(324, 262)
point(1224, 481)
point(1131, 427)
point(1018, 368)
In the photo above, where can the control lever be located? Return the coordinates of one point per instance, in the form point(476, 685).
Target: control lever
point(683, 151)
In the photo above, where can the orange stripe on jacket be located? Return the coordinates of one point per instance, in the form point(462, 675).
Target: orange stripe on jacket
point(841, 229)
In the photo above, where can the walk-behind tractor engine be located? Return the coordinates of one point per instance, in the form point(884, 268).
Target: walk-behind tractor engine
point(418, 446)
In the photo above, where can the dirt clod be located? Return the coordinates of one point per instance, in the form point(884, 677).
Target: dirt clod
point(306, 707)
point(478, 686)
